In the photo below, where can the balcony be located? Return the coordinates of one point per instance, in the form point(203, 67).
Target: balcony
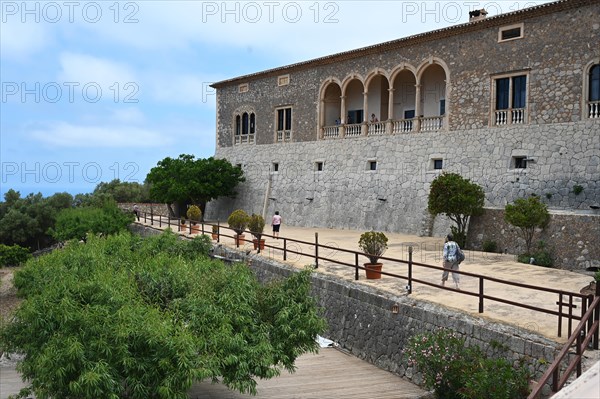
point(244, 139)
point(284, 136)
point(594, 110)
point(423, 124)
point(511, 116)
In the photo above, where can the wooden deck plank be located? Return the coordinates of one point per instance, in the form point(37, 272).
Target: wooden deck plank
point(329, 374)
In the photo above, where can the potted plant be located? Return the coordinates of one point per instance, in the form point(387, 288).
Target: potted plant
point(194, 214)
point(256, 225)
point(215, 232)
point(373, 244)
point(238, 221)
point(182, 222)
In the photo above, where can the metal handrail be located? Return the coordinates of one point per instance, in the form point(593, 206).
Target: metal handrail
point(481, 295)
point(590, 321)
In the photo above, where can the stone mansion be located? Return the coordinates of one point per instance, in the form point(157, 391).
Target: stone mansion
point(354, 139)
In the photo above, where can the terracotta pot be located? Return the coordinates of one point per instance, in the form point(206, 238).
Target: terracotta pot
point(373, 270)
point(256, 244)
point(195, 229)
point(240, 240)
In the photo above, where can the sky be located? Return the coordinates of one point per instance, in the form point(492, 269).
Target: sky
point(93, 91)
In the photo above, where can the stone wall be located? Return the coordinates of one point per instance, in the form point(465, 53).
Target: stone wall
point(347, 194)
point(156, 209)
point(360, 319)
point(573, 239)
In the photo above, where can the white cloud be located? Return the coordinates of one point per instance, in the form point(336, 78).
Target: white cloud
point(181, 89)
point(19, 40)
point(84, 69)
point(64, 134)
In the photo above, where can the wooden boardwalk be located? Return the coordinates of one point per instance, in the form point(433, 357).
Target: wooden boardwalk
point(328, 374)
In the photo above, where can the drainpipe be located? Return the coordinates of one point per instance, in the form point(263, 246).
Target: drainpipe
point(267, 194)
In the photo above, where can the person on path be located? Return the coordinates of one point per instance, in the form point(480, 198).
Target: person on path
point(276, 223)
point(450, 261)
point(136, 211)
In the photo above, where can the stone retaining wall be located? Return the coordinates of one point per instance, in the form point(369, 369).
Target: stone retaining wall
point(156, 209)
point(572, 239)
point(362, 321)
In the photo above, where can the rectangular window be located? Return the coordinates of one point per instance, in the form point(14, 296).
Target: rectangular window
point(519, 91)
point(372, 165)
point(283, 80)
point(284, 124)
point(275, 167)
point(438, 164)
point(319, 166)
point(520, 162)
point(243, 88)
point(502, 91)
point(510, 100)
point(511, 32)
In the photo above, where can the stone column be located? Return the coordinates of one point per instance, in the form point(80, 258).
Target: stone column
point(342, 117)
point(390, 122)
point(364, 127)
point(418, 108)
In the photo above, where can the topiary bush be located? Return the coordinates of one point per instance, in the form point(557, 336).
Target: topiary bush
point(256, 225)
point(238, 221)
point(374, 244)
point(194, 214)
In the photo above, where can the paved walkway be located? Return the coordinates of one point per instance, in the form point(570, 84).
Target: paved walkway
point(428, 250)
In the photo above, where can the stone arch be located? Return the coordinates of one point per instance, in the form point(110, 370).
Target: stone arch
point(403, 99)
point(401, 68)
point(346, 81)
point(433, 83)
point(326, 83)
point(374, 73)
point(330, 100)
point(353, 90)
point(377, 95)
point(590, 105)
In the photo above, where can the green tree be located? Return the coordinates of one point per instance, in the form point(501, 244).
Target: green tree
point(527, 214)
point(124, 191)
point(126, 317)
point(25, 221)
point(189, 180)
point(457, 198)
point(76, 223)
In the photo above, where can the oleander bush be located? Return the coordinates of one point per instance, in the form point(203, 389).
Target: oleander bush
point(456, 371)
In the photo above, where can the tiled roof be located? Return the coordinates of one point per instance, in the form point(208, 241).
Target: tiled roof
point(498, 20)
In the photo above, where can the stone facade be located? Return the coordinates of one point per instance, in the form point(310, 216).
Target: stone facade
point(377, 176)
point(572, 239)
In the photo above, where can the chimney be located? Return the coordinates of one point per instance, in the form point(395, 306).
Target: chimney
point(477, 15)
